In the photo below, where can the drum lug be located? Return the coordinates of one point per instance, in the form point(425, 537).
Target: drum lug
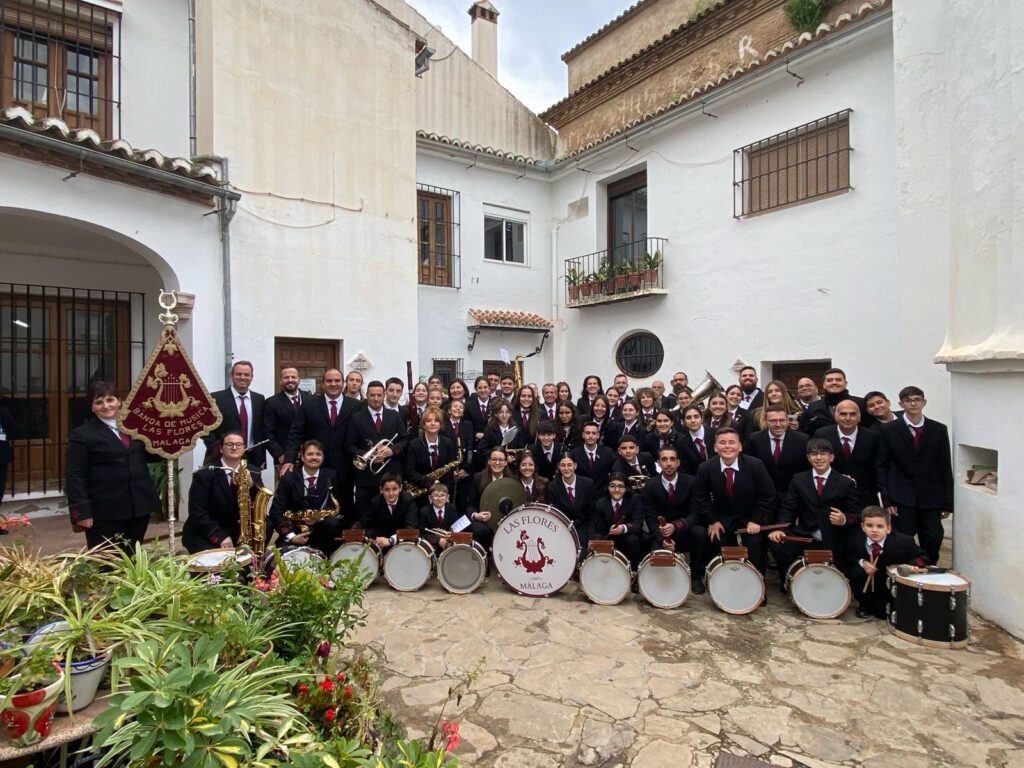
point(892, 617)
point(920, 628)
point(952, 603)
point(892, 587)
point(952, 635)
point(920, 597)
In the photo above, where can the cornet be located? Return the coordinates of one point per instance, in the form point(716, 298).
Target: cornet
point(370, 460)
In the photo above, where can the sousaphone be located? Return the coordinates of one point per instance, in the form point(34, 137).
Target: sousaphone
point(501, 497)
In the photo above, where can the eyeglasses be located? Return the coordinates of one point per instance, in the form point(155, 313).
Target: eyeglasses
point(817, 454)
point(913, 400)
point(233, 445)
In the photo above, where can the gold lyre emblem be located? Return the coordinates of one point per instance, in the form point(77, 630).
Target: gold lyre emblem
point(171, 397)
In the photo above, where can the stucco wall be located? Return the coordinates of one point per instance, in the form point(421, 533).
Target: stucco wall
point(812, 282)
point(488, 284)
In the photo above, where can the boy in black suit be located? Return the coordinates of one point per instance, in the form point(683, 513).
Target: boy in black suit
point(547, 450)
point(392, 509)
point(871, 552)
point(619, 517)
point(915, 472)
point(439, 514)
point(593, 460)
point(631, 462)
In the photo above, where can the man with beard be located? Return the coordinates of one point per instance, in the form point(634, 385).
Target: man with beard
point(807, 392)
point(821, 413)
point(752, 396)
point(279, 412)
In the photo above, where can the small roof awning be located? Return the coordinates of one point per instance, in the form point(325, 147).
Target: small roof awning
point(505, 320)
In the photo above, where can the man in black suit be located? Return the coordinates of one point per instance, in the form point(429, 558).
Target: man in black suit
point(871, 552)
point(782, 450)
point(806, 393)
point(734, 493)
point(367, 428)
point(669, 497)
point(6, 448)
point(241, 410)
point(593, 460)
point(856, 451)
point(821, 413)
point(631, 461)
point(661, 400)
point(547, 450)
point(574, 496)
point(820, 504)
point(279, 413)
point(326, 417)
point(915, 472)
point(753, 397)
point(308, 486)
point(109, 490)
point(390, 510)
point(549, 402)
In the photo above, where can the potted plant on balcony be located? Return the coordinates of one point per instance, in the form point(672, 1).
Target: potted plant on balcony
point(632, 275)
point(599, 282)
point(574, 277)
point(651, 266)
point(28, 696)
point(618, 277)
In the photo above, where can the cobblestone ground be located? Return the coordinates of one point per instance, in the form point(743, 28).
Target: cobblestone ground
point(568, 683)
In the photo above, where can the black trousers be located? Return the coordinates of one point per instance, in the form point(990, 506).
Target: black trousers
point(756, 544)
point(925, 524)
point(875, 599)
point(364, 495)
point(692, 539)
point(786, 552)
point(123, 534)
point(631, 546)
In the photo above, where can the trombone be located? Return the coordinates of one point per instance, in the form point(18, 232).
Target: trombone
point(370, 460)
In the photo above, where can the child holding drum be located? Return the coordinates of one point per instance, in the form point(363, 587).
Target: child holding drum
point(872, 551)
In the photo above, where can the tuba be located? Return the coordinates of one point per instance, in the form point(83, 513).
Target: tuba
point(252, 514)
point(708, 386)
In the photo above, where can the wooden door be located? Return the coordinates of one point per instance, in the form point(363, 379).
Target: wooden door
point(310, 356)
point(790, 373)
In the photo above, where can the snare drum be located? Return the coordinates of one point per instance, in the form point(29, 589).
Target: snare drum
point(462, 566)
point(817, 588)
point(734, 583)
point(408, 565)
point(664, 579)
point(930, 608)
point(535, 550)
point(217, 560)
point(605, 575)
point(295, 557)
point(366, 553)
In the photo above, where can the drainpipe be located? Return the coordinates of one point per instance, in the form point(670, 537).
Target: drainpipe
point(192, 141)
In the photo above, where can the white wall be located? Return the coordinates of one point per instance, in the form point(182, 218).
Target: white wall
point(443, 312)
point(815, 281)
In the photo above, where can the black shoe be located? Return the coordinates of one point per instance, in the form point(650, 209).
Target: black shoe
point(862, 614)
point(634, 586)
point(764, 602)
point(880, 614)
point(698, 587)
point(3, 531)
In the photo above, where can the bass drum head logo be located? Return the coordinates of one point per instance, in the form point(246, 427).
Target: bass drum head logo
point(535, 550)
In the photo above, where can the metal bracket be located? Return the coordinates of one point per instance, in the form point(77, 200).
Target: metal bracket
point(472, 342)
point(705, 112)
point(794, 74)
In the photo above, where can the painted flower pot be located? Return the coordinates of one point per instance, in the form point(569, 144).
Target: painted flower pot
point(85, 681)
point(26, 717)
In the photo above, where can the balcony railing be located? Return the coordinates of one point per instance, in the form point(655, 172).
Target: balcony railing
point(625, 272)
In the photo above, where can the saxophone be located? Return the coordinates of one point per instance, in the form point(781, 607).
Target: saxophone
point(252, 516)
point(418, 490)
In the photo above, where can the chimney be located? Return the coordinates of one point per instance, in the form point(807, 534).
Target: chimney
point(485, 35)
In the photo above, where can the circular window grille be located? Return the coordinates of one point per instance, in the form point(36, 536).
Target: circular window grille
point(640, 355)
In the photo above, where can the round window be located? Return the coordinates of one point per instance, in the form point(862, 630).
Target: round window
point(640, 355)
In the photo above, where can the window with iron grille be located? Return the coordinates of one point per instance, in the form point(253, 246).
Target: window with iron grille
point(60, 59)
point(448, 368)
point(438, 237)
point(640, 355)
point(804, 163)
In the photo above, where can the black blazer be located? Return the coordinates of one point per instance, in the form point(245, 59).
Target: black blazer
point(921, 478)
point(492, 439)
point(103, 479)
point(631, 515)
point(278, 415)
point(292, 495)
point(583, 406)
point(417, 463)
point(425, 518)
point(793, 457)
point(472, 412)
point(604, 458)
point(645, 460)
point(897, 549)
point(530, 425)
point(618, 430)
point(582, 511)
point(213, 508)
point(478, 485)
point(225, 400)
point(689, 456)
point(807, 512)
point(465, 439)
point(651, 442)
point(680, 511)
point(819, 414)
point(862, 465)
point(361, 435)
point(7, 443)
point(753, 498)
point(547, 469)
point(755, 402)
point(377, 520)
point(312, 422)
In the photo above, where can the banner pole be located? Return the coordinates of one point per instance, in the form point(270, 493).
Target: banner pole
point(172, 503)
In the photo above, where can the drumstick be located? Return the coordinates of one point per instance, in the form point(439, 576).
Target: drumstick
point(773, 527)
point(798, 539)
point(869, 582)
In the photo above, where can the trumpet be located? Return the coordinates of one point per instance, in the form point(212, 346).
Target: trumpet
point(370, 460)
point(637, 482)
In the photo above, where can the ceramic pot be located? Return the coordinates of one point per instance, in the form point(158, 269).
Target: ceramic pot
point(26, 717)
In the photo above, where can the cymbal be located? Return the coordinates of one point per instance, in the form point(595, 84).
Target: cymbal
point(501, 497)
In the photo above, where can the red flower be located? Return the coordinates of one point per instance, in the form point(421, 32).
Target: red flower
point(329, 714)
point(327, 685)
point(303, 688)
point(341, 677)
point(450, 731)
point(324, 649)
point(348, 691)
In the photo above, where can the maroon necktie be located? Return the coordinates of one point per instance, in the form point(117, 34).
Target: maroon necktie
point(311, 482)
point(846, 448)
point(334, 411)
point(125, 440)
point(590, 461)
point(821, 484)
point(876, 549)
point(243, 418)
point(572, 496)
point(671, 491)
point(917, 437)
point(434, 458)
point(551, 414)
point(526, 417)
point(714, 423)
point(616, 516)
point(777, 450)
point(700, 447)
point(376, 422)
point(483, 409)
point(295, 402)
point(440, 516)
point(730, 477)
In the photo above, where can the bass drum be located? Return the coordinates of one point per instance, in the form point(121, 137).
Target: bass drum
point(735, 586)
point(535, 549)
point(408, 565)
point(605, 577)
point(293, 557)
point(218, 560)
point(818, 590)
point(664, 579)
point(366, 553)
point(462, 568)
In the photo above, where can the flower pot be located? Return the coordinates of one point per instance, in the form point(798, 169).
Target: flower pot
point(85, 681)
point(651, 277)
point(585, 290)
point(633, 281)
point(574, 292)
point(26, 717)
point(618, 283)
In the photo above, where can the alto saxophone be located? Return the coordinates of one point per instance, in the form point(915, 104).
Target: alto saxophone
point(252, 517)
point(418, 490)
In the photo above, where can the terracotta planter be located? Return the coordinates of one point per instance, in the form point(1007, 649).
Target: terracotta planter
point(26, 717)
point(650, 277)
point(618, 283)
point(574, 292)
point(633, 281)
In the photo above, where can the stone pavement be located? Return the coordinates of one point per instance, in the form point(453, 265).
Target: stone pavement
point(569, 683)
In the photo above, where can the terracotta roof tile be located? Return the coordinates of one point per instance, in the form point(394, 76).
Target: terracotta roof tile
point(439, 139)
point(507, 318)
